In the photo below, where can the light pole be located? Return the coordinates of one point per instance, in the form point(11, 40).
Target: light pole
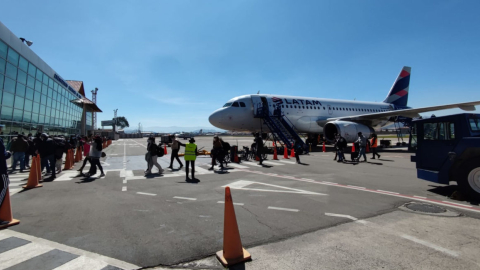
point(115, 120)
point(28, 42)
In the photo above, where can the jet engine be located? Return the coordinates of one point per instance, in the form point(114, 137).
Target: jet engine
point(348, 130)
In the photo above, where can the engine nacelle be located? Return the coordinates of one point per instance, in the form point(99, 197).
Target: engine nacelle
point(348, 130)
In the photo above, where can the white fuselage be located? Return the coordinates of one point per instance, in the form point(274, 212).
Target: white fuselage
point(308, 115)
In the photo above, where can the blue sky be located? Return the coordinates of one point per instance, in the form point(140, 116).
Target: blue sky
point(172, 63)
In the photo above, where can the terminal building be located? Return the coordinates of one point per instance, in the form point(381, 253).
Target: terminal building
point(35, 98)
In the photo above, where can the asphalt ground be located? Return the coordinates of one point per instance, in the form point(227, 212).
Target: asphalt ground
point(163, 220)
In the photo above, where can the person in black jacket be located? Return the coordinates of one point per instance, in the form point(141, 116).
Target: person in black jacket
point(4, 181)
point(341, 144)
point(46, 149)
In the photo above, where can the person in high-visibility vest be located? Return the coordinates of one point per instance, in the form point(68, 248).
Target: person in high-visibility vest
point(373, 146)
point(190, 157)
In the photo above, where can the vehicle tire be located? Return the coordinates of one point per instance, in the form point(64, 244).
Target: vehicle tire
point(469, 178)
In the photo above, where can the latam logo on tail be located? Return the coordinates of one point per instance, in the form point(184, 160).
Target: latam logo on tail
point(296, 101)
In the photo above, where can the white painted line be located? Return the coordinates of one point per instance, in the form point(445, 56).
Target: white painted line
point(387, 191)
point(430, 245)
point(242, 184)
point(124, 188)
point(283, 209)
point(149, 194)
point(464, 205)
point(273, 163)
point(288, 162)
point(200, 170)
point(185, 198)
point(13, 191)
point(129, 173)
point(82, 262)
point(420, 197)
point(356, 187)
point(67, 176)
point(235, 203)
point(330, 183)
point(342, 216)
point(125, 181)
point(238, 166)
point(21, 254)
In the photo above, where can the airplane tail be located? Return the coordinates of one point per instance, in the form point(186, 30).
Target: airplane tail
point(398, 94)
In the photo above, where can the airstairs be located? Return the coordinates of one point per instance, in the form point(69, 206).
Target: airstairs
point(280, 127)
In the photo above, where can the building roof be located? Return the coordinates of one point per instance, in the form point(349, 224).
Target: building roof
point(88, 104)
point(77, 86)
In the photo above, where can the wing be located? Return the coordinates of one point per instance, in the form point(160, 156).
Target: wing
point(410, 113)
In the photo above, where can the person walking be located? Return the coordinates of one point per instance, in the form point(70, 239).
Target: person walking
point(175, 148)
point(341, 144)
point(190, 157)
point(86, 152)
point(217, 152)
point(19, 147)
point(362, 143)
point(31, 150)
point(373, 145)
point(152, 149)
point(4, 181)
point(46, 149)
point(95, 154)
point(259, 147)
point(297, 147)
point(60, 148)
point(336, 146)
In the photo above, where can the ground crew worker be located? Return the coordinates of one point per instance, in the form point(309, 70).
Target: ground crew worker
point(259, 147)
point(4, 181)
point(175, 148)
point(217, 152)
point(362, 143)
point(190, 157)
point(373, 145)
point(297, 147)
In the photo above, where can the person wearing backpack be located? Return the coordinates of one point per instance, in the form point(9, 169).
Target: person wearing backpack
point(190, 157)
point(175, 148)
point(152, 151)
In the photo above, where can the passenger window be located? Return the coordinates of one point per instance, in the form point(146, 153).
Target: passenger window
point(242, 104)
point(303, 107)
point(295, 106)
point(235, 104)
point(324, 108)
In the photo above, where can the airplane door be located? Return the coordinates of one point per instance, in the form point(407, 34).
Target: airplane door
point(330, 112)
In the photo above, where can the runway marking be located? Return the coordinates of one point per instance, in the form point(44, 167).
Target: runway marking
point(340, 215)
point(410, 197)
point(235, 165)
point(288, 162)
point(149, 194)
point(124, 188)
point(430, 245)
point(355, 187)
point(420, 197)
point(387, 191)
point(283, 209)
point(273, 163)
point(242, 184)
point(235, 203)
point(185, 198)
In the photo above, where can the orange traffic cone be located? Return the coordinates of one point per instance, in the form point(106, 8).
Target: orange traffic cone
point(275, 153)
point(256, 158)
point(367, 149)
point(165, 149)
point(285, 153)
point(33, 177)
point(72, 157)
point(292, 153)
point(39, 168)
point(324, 150)
point(67, 161)
point(232, 252)
point(6, 212)
point(235, 157)
point(353, 148)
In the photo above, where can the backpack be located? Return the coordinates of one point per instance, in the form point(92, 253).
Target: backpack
point(160, 151)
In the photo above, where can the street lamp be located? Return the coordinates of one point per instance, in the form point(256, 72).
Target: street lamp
point(28, 42)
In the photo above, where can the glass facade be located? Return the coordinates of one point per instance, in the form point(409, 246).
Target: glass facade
point(32, 101)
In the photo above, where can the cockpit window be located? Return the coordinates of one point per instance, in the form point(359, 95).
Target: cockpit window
point(235, 104)
point(228, 104)
point(242, 104)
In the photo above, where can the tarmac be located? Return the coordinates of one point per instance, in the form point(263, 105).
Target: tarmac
point(316, 215)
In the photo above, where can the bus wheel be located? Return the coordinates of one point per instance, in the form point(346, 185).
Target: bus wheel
point(469, 181)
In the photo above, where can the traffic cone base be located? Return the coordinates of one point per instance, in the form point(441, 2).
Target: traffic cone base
point(229, 262)
point(6, 212)
point(36, 186)
point(285, 153)
point(292, 154)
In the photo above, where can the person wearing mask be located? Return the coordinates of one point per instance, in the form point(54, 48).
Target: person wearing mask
point(373, 145)
point(46, 149)
point(152, 149)
point(19, 147)
point(95, 154)
point(259, 147)
point(362, 143)
point(190, 157)
point(175, 148)
point(4, 181)
point(217, 152)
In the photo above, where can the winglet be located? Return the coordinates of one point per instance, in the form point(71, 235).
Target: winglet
point(398, 94)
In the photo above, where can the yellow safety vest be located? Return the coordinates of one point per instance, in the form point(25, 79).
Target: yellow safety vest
point(190, 152)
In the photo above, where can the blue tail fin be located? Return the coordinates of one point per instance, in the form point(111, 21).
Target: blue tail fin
point(398, 95)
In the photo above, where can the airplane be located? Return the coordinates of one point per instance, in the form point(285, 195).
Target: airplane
point(315, 116)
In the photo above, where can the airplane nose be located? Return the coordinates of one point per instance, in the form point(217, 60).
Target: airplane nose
point(215, 119)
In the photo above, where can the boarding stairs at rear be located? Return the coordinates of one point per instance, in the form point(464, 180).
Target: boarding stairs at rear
point(280, 127)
